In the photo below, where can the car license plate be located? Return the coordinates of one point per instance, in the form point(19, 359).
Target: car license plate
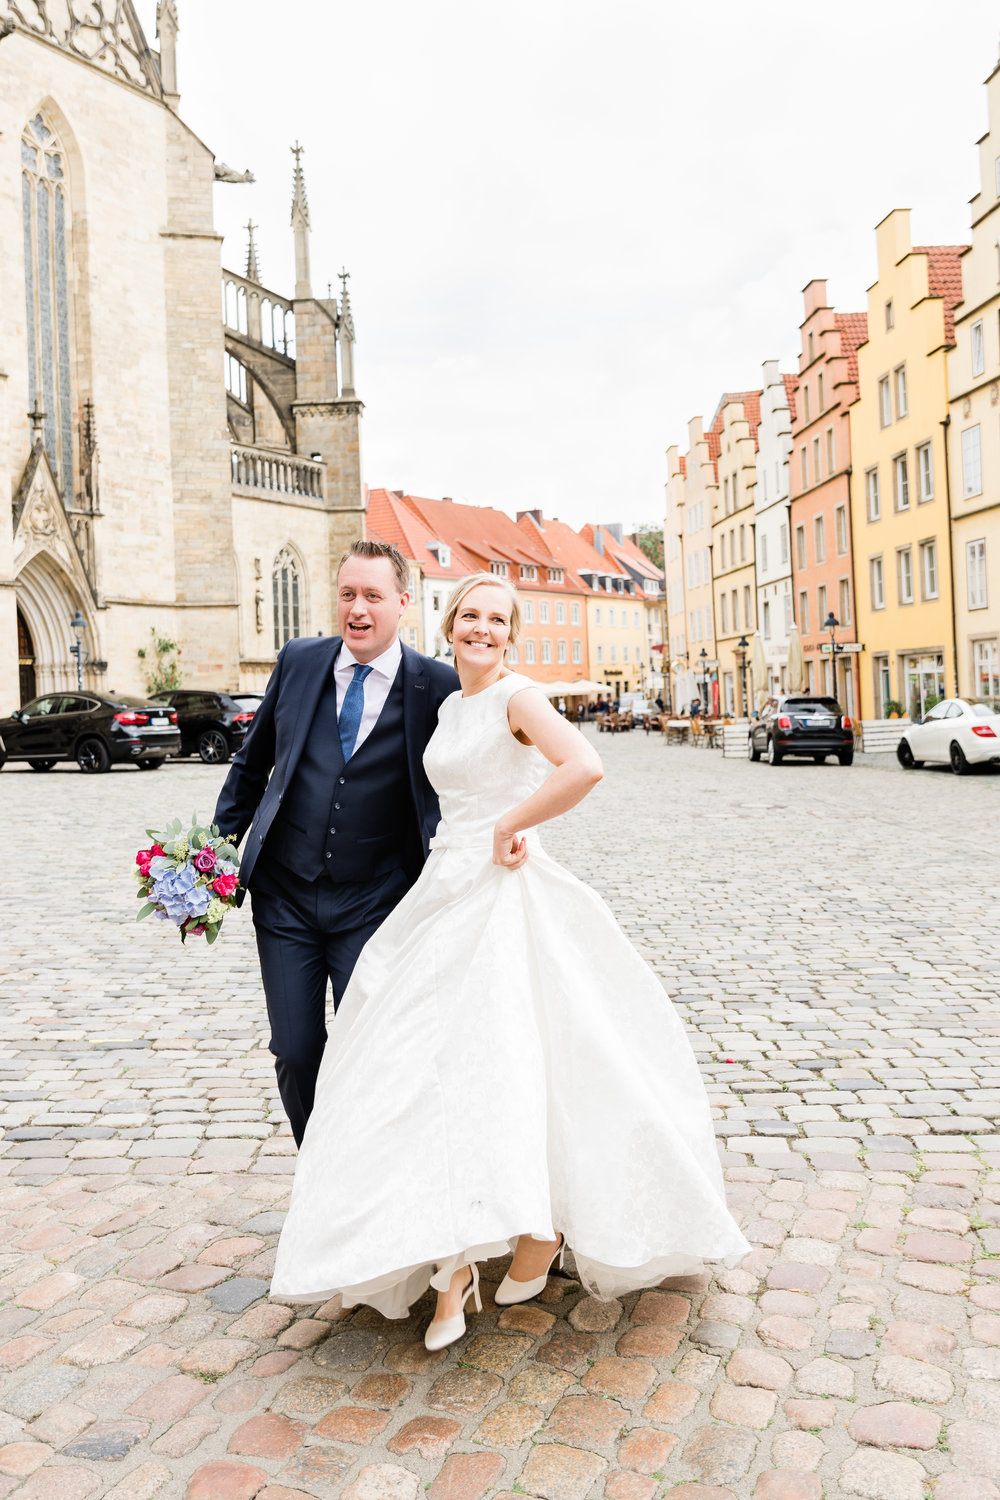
point(159, 723)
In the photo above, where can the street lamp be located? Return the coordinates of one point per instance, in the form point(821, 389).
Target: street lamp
point(703, 658)
point(832, 624)
point(740, 652)
point(78, 625)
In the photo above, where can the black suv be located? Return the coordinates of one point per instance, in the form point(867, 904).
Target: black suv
point(95, 732)
point(798, 724)
point(213, 724)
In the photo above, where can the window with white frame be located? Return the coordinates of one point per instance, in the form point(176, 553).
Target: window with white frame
point(706, 564)
point(762, 551)
point(722, 550)
point(555, 575)
point(500, 569)
point(819, 392)
point(736, 609)
point(822, 607)
point(691, 614)
point(817, 472)
point(844, 600)
point(611, 617)
point(600, 655)
point(725, 494)
point(803, 612)
point(724, 613)
point(800, 547)
point(529, 572)
point(901, 407)
point(783, 541)
point(625, 654)
point(766, 621)
point(904, 574)
point(890, 316)
point(873, 496)
point(975, 572)
point(840, 529)
point(635, 619)
point(901, 482)
point(543, 612)
point(577, 653)
point(788, 612)
point(562, 654)
point(876, 577)
point(819, 538)
point(574, 614)
point(804, 466)
point(614, 655)
point(528, 609)
point(978, 348)
point(831, 455)
point(546, 651)
point(560, 612)
point(512, 656)
point(986, 670)
point(925, 472)
point(286, 593)
point(743, 544)
point(884, 402)
point(529, 653)
point(747, 608)
point(597, 611)
point(972, 463)
point(928, 570)
point(806, 413)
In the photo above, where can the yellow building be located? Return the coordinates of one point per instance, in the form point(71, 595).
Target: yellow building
point(974, 431)
point(899, 501)
point(734, 577)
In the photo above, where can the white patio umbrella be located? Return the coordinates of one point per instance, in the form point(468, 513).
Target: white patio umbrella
point(758, 665)
point(557, 689)
point(795, 677)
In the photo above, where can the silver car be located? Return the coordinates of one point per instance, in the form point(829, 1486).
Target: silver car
point(960, 732)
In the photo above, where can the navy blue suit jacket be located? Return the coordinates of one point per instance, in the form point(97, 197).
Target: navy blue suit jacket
point(252, 794)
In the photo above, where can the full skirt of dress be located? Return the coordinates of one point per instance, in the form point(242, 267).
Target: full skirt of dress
point(503, 1062)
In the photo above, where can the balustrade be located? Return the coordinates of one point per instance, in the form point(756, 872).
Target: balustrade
point(282, 474)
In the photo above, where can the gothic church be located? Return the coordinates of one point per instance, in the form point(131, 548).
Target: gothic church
point(181, 445)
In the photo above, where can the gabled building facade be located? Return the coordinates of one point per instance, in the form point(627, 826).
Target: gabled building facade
point(899, 502)
point(974, 430)
point(820, 492)
point(691, 498)
point(733, 576)
point(772, 523)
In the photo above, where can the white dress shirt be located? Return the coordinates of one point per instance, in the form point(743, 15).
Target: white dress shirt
point(376, 685)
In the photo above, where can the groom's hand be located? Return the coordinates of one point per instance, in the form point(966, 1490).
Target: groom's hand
point(508, 850)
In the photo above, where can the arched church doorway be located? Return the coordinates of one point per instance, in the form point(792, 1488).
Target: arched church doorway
point(25, 660)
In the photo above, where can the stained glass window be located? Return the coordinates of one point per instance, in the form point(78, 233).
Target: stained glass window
point(46, 285)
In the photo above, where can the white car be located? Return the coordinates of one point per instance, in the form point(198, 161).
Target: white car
point(960, 732)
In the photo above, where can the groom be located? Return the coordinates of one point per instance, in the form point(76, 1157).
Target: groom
point(340, 831)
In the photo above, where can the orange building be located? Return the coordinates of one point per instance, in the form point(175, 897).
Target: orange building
point(553, 643)
point(434, 567)
point(820, 491)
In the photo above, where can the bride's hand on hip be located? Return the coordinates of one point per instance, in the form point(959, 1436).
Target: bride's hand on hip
point(509, 850)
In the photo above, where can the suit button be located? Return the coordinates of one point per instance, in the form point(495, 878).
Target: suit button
point(260, 838)
point(333, 830)
point(329, 855)
point(340, 780)
point(336, 807)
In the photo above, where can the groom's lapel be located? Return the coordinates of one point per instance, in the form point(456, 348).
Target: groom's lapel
point(309, 696)
point(416, 698)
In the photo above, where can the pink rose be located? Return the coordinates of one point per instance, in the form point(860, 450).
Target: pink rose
point(205, 861)
point(144, 858)
point(224, 886)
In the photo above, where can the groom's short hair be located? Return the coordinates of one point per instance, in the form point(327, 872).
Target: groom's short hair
point(364, 548)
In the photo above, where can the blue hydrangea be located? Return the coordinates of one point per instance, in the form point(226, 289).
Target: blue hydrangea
point(179, 893)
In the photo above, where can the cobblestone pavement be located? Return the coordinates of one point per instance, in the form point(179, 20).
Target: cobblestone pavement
point(832, 940)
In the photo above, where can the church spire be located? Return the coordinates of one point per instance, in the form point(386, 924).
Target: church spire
point(345, 334)
point(167, 27)
point(253, 267)
point(300, 224)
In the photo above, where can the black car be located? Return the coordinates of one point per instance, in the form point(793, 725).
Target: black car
point(95, 732)
point(213, 724)
point(799, 724)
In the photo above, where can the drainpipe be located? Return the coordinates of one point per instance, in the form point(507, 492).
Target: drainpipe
point(951, 556)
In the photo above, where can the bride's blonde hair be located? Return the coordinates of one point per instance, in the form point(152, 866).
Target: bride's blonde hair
point(473, 581)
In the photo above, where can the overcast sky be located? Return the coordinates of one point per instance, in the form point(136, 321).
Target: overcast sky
point(570, 226)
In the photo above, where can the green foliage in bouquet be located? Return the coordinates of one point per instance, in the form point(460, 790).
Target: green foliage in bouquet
point(189, 877)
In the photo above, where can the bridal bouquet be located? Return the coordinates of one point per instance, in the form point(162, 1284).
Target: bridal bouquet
point(188, 878)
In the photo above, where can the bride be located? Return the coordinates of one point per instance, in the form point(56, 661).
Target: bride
point(504, 1071)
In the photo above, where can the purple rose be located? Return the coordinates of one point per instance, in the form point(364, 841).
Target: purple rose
point(204, 861)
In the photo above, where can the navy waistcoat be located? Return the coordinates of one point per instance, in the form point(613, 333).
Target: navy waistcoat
point(353, 822)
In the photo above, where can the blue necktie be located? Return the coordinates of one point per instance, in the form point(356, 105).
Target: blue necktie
point(352, 709)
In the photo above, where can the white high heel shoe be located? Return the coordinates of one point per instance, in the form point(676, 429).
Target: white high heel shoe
point(444, 1331)
point(510, 1291)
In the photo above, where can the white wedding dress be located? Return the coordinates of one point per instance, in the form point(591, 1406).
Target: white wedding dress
point(502, 1062)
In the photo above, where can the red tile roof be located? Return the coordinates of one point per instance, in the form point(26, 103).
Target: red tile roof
point(751, 410)
point(791, 392)
point(572, 550)
point(632, 556)
point(944, 279)
point(853, 333)
point(483, 535)
point(392, 520)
